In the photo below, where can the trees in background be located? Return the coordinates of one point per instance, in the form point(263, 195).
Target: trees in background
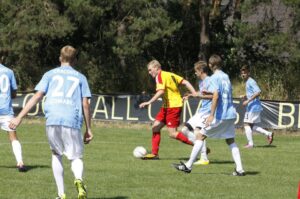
point(117, 38)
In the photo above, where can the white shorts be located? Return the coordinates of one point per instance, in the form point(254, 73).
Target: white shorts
point(252, 117)
point(65, 140)
point(198, 120)
point(4, 122)
point(223, 129)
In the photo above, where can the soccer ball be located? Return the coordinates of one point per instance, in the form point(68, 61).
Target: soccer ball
point(139, 152)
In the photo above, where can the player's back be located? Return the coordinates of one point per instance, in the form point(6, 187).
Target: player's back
point(7, 84)
point(221, 82)
point(64, 88)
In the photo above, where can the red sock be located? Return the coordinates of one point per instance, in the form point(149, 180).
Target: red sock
point(155, 142)
point(180, 136)
point(299, 191)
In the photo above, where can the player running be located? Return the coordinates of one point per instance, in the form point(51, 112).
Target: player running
point(167, 87)
point(198, 120)
point(220, 122)
point(8, 90)
point(66, 105)
point(253, 109)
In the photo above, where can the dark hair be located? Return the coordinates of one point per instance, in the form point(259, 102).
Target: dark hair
point(215, 61)
point(245, 68)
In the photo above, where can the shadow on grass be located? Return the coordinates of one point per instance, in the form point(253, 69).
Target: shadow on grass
point(28, 167)
point(265, 146)
point(117, 197)
point(252, 173)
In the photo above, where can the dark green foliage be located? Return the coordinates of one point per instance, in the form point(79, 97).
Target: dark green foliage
point(117, 38)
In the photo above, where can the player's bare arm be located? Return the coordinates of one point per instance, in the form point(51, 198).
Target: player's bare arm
point(37, 97)
point(250, 99)
point(157, 95)
point(88, 136)
point(189, 86)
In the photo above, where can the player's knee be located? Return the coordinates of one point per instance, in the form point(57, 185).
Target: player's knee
point(185, 130)
point(229, 141)
point(198, 134)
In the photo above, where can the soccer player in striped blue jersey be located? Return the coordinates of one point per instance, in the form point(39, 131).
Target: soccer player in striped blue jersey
point(253, 109)
point(8, 90)
point(220, 122)
point(66, 105)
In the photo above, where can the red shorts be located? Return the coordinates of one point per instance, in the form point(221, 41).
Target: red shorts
point(169, 116)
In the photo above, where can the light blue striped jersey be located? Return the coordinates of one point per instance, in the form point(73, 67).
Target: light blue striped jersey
point(64, 88)
point(220, 82)
point(7, 85)
point(206, 103)
point(251, 89)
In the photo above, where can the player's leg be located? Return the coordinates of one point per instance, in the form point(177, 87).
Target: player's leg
point(187, 167)
point(248, 132)
point(188, 131)
point(54, 135)
point(156, 137)
point(73, 149)
point(248, 121)
point(197, 148)
point(269, 134)
point(17, 150)
point(203, 155)
point(58, 173)
point(239, 171)
point(172, 122)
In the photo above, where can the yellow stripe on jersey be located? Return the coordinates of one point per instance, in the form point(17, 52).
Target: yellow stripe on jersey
point(169, 82)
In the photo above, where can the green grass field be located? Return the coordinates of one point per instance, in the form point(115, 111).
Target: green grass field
point(111, 171)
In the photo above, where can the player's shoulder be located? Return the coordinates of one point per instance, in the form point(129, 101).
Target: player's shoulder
point(6, 69)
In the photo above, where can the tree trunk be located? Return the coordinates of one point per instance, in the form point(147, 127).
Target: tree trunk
point(204, 30)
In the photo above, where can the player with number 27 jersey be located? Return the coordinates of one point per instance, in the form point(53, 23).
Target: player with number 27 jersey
point(64, 88)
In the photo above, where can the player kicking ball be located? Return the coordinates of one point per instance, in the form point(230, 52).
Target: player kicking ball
point(198, 120)
point(66, 105)
point(253, 109)
point(220, 122)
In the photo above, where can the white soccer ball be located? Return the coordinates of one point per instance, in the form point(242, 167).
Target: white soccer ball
point(139, 152)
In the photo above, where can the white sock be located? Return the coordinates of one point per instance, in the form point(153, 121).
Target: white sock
point(261, 130)
point(248, 133)
point(77, 168)
point(203, 151)
point(17, 149)
point(58, 172)
point(195, 151)
point(189, 134)
point(236, 156)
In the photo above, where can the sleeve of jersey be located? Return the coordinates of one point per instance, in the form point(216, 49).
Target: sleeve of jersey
point(43, 84)
point(85, 89)
point(13, 82)
point(160, 82)
point(255, 87)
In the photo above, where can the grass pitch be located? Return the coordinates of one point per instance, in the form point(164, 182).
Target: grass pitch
point(111, 171)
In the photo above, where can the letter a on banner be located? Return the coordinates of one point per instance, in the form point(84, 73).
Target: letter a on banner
point(104, 110)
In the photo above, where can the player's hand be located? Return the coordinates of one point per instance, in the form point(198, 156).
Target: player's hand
point(14, 123)
point(142, 105)
point(245, 103)
point(88, 136)
point(209, 120)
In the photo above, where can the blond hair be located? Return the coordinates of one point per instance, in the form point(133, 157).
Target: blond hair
point(215, 61)
point(68, 54)
point(154, 63)
point(201, 66)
